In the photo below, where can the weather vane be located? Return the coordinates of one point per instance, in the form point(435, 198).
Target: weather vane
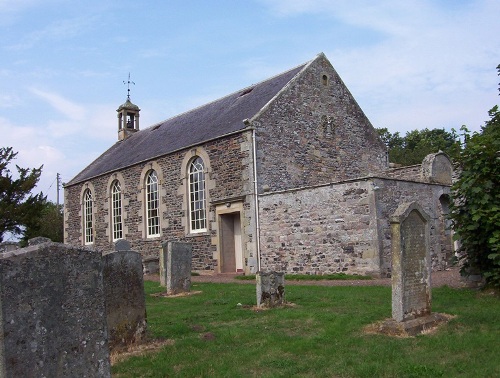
point(128, 82)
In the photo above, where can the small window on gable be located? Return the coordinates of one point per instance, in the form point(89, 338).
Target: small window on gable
point(324, 79)
point(116, 210)
point(88, 220)
point(152, 204)
point(197, 195)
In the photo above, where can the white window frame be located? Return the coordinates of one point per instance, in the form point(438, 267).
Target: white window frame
point(152, 201)
point(116, 210)
point(88, 217)
point(197, 195)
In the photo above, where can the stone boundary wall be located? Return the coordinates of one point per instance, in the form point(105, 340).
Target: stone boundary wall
point(320, 230)
point(53, 318)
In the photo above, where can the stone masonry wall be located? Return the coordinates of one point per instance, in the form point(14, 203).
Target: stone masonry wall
point(315, 133)
point(320, 230)
point(390, 194)
point(53, 319)
point(344, 227)
point(229, 177)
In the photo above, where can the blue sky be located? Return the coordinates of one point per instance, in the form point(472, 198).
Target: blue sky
point(410, 64)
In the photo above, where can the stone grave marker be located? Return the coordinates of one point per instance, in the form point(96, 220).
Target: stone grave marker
point(411, 273)
point(270, 289)
point(175, 267)
point(124, 295)
point(122, 245)
point(53, 317)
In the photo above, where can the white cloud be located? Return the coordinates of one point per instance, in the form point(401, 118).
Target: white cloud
point(429, 58)
point(68, 108)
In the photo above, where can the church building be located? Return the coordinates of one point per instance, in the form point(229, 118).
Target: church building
point(287, 175)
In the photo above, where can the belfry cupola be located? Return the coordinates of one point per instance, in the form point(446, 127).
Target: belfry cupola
point(128, 116)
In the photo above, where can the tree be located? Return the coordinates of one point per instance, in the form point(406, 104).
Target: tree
point(17, 204)
point(49, 224)
point(475, 210)
point(417, 144)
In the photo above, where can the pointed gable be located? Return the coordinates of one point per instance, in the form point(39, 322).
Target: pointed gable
point(213, 120)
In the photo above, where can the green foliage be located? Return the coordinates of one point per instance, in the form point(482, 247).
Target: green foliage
point(50, 224)
point(475, 210)
point(17, 205)
point(417, 144)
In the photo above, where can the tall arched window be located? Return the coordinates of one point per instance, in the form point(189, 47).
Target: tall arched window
point(116, 210)
point(152, 204)
point(197, 195)
point(88, 221)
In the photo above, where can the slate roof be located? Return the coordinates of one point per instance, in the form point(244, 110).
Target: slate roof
point(207, 122)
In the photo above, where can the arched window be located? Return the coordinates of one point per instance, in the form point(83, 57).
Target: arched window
point(197, 195)
point(116, 210)
point(88, 221)
point(152, 204)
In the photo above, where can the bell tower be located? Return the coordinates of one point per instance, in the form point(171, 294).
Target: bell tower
point(128, 116)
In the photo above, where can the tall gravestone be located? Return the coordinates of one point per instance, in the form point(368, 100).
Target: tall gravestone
point(270, 289)
point(52, 313)
point(124, 295)
point(411, 263)
point(411, 272)
point(175, 267)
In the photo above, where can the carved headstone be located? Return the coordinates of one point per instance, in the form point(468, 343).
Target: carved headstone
point(411, 265)
point(270, 289)
point(124, 294)
point(175, 267)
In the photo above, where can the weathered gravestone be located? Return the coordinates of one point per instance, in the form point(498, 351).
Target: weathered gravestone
point(270, 289)
point(175, 267)
point(53, 318)
point(411, 272)
point(124, 295)
point(122, 245)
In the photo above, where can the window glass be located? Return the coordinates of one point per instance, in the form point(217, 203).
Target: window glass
point(197, 195)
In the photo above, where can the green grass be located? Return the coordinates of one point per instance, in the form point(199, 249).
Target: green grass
point(312, 277)
point(218, 334)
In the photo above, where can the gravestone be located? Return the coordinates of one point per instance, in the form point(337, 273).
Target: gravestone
point(411, 273)
point(175, 267)
point(122, 245)
point(270, 289)
point(124, 295)
point(53, 317)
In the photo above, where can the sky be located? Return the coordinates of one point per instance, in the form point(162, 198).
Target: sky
point(410, 64)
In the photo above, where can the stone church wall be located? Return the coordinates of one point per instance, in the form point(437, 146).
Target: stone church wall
point(228, 177)
point(314, 133)
point(320, 230)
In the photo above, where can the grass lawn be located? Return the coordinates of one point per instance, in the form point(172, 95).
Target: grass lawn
point(320, 336)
